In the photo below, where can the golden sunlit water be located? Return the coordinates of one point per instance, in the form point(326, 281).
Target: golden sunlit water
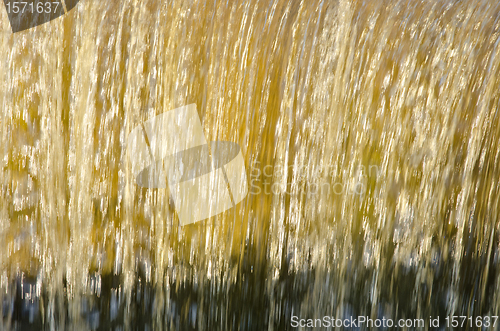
point(370, 132)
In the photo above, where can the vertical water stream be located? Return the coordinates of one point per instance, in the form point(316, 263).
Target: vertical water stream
point(371, 136)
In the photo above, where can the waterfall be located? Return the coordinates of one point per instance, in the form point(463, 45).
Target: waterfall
point(370, 135)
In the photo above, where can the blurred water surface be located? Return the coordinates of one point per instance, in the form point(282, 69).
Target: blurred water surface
point(370, 132)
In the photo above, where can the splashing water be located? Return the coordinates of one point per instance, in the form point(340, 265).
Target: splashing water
point(370, 133)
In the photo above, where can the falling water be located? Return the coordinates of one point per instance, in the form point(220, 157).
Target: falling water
point(370, 134)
